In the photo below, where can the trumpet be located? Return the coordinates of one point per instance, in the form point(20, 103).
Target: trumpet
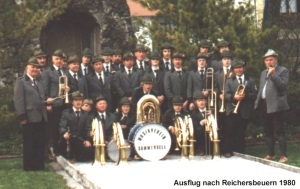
point(240, 90)
point(62, 84)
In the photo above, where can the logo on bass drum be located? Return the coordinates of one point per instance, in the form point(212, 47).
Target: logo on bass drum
point(152, 141)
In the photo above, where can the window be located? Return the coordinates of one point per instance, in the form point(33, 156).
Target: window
point(289, 6)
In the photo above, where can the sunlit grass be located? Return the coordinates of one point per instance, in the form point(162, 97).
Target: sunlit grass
point(260, 150)
point(13, 177)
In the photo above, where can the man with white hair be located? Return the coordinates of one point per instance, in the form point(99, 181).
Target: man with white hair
point(272, 102)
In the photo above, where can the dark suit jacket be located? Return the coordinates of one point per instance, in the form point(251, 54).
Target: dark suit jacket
point(217, 65)
point(162, 65)
point(169, 117)
point(197, 116)
point(89, 69)
point(174, 86)
point(129, 122)
point(107, 129)
point(80, 129)
point(276, 90)
point(246, 105)
point(195, 83)
point(51, 85)
point(146, 65)
point(95, 89)
point(158, 81)
point(137, 95)
point(125, 85)
point(80, 86)
point(29, 100)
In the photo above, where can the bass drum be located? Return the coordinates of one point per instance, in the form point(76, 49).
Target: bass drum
point(151, 141)
point(113, 151)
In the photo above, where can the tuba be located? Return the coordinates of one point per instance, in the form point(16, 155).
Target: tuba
point(62, 84)
point(118, 144)
point(240, 90)
point(148, 110)
point(184, 132)
point(99, 142)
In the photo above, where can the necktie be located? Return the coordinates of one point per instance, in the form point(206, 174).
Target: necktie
point(227, 72)
point(85, 71)
point(156, 72)
point(129, 73)
point(179, 74)
point(177, 115)
point(102, 119)
point(34, 81)
point(59, 71)
point(101, 80)
point(141, 66)
point(240, 80)
point(201, 74)
point(123, 120)
point(77, 115)
point(167, 66)
point(107, 69)
point(75, 77)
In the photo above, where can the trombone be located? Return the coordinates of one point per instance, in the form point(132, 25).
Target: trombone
point(240, 90)
point(210, 85)
point(62, 84)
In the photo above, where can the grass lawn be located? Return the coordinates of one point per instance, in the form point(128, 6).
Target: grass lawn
point(261, 149)
point(12, 176)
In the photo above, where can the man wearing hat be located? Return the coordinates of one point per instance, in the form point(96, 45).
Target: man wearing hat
point(75, 129)
point(175, 81)
point(140, 58)
point(106, 55)
point(272, 102)
point(99, 82)
point(41, 57)
point(204, 47)
point(51, 84)
point(86, 61)
point(125, 116)
point(221, 76)
point(197, 80)
point(30, 104)
point(107, 119)
point(166, 52)
point(157, 73)
point(240, 93)
point(223, 45)
point(128, 78)
point(116, 59)
point(145, 88)
point(168, 119)
point(199, 123)
point(75, 81)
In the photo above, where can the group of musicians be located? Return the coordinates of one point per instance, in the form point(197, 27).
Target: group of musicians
point(107, 87)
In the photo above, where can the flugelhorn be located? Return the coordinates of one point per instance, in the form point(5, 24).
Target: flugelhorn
point(63, 83)
point(240, 90)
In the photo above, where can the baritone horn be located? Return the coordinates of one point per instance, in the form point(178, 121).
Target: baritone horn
point(184, 132)
point(99, 142)
point(240, 90)
point(63, 84)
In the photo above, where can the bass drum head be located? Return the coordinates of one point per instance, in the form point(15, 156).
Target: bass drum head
point(132, 132)
point(113, 151)
point(152, 141)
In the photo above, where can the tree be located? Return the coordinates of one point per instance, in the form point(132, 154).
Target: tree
point(20, 23)
point(186, 22)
